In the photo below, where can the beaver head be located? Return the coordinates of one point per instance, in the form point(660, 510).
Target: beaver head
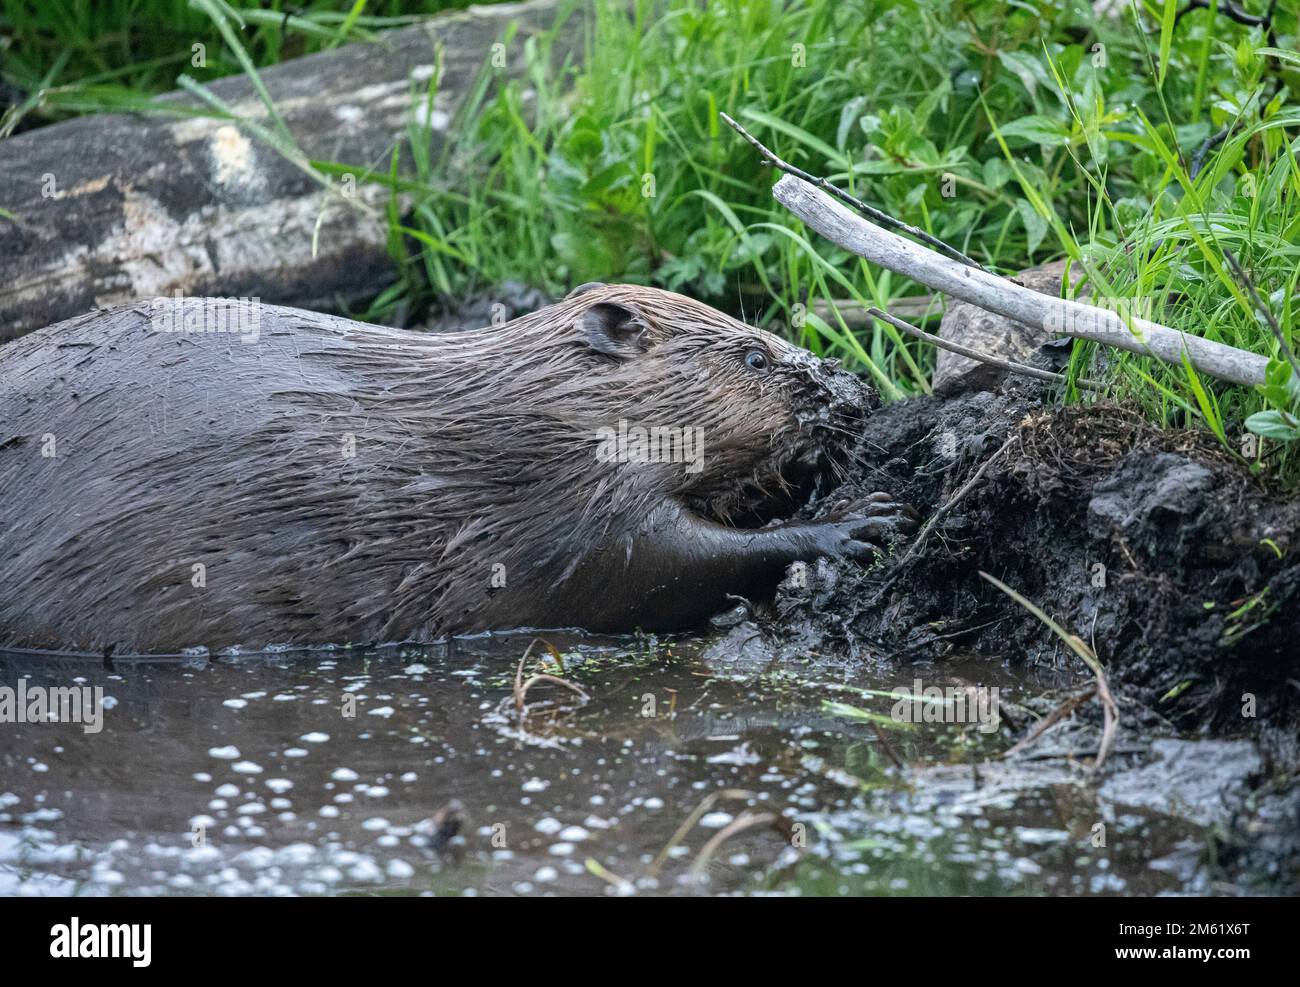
point(772, 418)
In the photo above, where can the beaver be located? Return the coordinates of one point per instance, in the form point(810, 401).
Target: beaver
point(226, 475)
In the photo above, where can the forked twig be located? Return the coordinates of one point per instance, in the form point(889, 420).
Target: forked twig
point(937, 516)
point(1055, 716)
point(746, 820)
point(871, 212)
point(1008, 365)
point(521, 687)
point(691, 820)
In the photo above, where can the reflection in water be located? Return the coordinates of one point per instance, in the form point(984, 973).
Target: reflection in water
point(346, 771)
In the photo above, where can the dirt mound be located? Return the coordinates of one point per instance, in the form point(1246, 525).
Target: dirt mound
point(1157, 547)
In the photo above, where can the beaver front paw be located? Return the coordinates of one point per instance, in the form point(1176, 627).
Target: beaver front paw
point(861, 534)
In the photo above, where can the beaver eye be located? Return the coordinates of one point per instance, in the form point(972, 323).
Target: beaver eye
point(756, 360)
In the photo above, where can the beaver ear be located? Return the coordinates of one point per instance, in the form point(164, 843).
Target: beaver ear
point(615, 330)
point(582, 289)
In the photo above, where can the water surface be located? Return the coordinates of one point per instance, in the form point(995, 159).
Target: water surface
point(345, 772)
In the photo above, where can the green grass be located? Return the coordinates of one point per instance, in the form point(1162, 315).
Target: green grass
point(1019, 133)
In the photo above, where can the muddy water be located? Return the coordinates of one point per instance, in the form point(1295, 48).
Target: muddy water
point(332, 773)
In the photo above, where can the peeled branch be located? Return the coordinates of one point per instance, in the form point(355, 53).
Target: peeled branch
point(1059, 316)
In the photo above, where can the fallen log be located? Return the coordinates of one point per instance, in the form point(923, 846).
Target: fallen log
point(1060, 316)
point(112, 208)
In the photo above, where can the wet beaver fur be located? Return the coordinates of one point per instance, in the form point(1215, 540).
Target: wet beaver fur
point(306, 479)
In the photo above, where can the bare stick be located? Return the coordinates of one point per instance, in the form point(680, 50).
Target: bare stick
point(1056, 715)
point(1062, 317)
point(746, 820)
point(871, 212)
point(938, 516)
point(691, 820)
point(1244, 279)
point(1008, 365)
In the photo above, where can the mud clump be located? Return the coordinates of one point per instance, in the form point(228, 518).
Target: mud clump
point(1156, 547)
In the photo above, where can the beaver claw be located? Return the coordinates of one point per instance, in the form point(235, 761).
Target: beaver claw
point(861, 534)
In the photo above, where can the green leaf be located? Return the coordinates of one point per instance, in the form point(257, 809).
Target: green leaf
point(1037, 129)
point(1280, 53)
point(1274, 425)
point(855, 713)
point(1025, 67)
point(798, 133)
point(1166, 37)
point(996, 173)
point(1035, 225)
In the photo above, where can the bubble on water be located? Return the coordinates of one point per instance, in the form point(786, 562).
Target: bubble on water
point(535, 785)
point(246, 768)
point(295, 752)
point(315, 737)
point(279, 785)
point(716, 820)
point(549, 826)
point(561, 849)
point(384, 711)
point(375, 823)
point(329, 811)
point(574, 834)
point(344, 774)
point(400, 870)
point(365, 870)
point(235, 703)
point(228, 753)
point(227, 791)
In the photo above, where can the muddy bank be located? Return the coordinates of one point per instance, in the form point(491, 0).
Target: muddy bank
point(1156, 547)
